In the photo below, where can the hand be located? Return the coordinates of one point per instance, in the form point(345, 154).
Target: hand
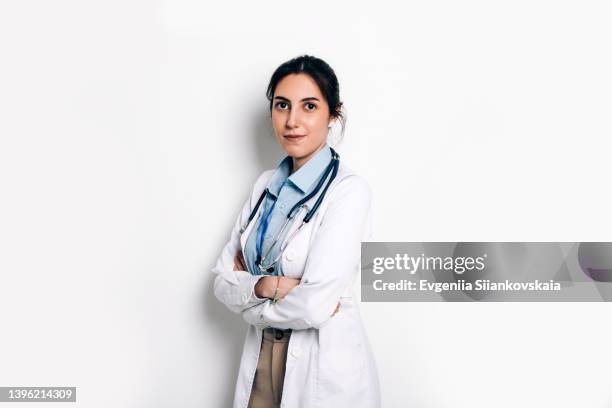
point(336, 311)
point(285, 285)
point(239, 262)
point(266, 286)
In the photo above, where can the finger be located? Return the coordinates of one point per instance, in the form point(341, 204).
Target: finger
point(237, 264)
point(336, 311)
point(241, 259)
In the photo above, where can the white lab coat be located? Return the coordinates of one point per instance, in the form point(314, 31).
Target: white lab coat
point(329, 359)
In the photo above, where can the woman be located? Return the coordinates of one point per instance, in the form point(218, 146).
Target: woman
point(300, 232)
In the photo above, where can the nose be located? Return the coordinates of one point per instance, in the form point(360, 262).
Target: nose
point(292, 119)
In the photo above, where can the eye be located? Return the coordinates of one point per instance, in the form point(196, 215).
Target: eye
point(310, 106)
point(281, 105)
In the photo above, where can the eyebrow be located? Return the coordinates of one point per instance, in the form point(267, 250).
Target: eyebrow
point(310, 98)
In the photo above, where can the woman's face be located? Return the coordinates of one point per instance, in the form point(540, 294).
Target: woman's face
point(300, 116)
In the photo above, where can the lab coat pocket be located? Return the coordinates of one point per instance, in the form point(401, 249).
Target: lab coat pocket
point(341, 354)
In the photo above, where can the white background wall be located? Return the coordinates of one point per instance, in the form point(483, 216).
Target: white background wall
point(131, 132)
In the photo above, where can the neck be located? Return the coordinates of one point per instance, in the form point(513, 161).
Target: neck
point(299, 162)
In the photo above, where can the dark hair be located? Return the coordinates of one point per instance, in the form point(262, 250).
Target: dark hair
point(321, 73)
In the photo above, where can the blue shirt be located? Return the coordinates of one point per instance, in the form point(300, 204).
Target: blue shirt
point(286, 190)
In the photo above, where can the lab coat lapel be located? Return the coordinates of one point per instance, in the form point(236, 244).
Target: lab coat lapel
point(247, 232)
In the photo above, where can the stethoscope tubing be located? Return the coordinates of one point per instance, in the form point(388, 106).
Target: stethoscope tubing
point(331, 167)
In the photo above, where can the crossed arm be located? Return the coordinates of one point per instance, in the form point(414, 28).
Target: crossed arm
point(266, 286)
point(332, 262)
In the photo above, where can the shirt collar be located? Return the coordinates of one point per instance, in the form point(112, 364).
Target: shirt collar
point(310, 172)
point(306, 176)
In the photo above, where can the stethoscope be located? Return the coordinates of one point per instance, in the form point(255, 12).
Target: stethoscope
point(332, 168)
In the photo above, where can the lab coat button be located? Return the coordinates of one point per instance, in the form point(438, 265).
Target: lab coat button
point(290, 255)
point(295, 352)
point(244, 297)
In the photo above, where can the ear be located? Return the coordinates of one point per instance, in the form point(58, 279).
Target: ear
point(332, 120)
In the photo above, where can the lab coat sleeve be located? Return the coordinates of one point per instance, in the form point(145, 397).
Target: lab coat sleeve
point(332, 262)
point(236, 289)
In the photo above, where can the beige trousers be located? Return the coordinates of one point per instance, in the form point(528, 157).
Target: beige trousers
point(270, 374)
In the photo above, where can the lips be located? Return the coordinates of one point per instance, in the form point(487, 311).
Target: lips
point(294, 137)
